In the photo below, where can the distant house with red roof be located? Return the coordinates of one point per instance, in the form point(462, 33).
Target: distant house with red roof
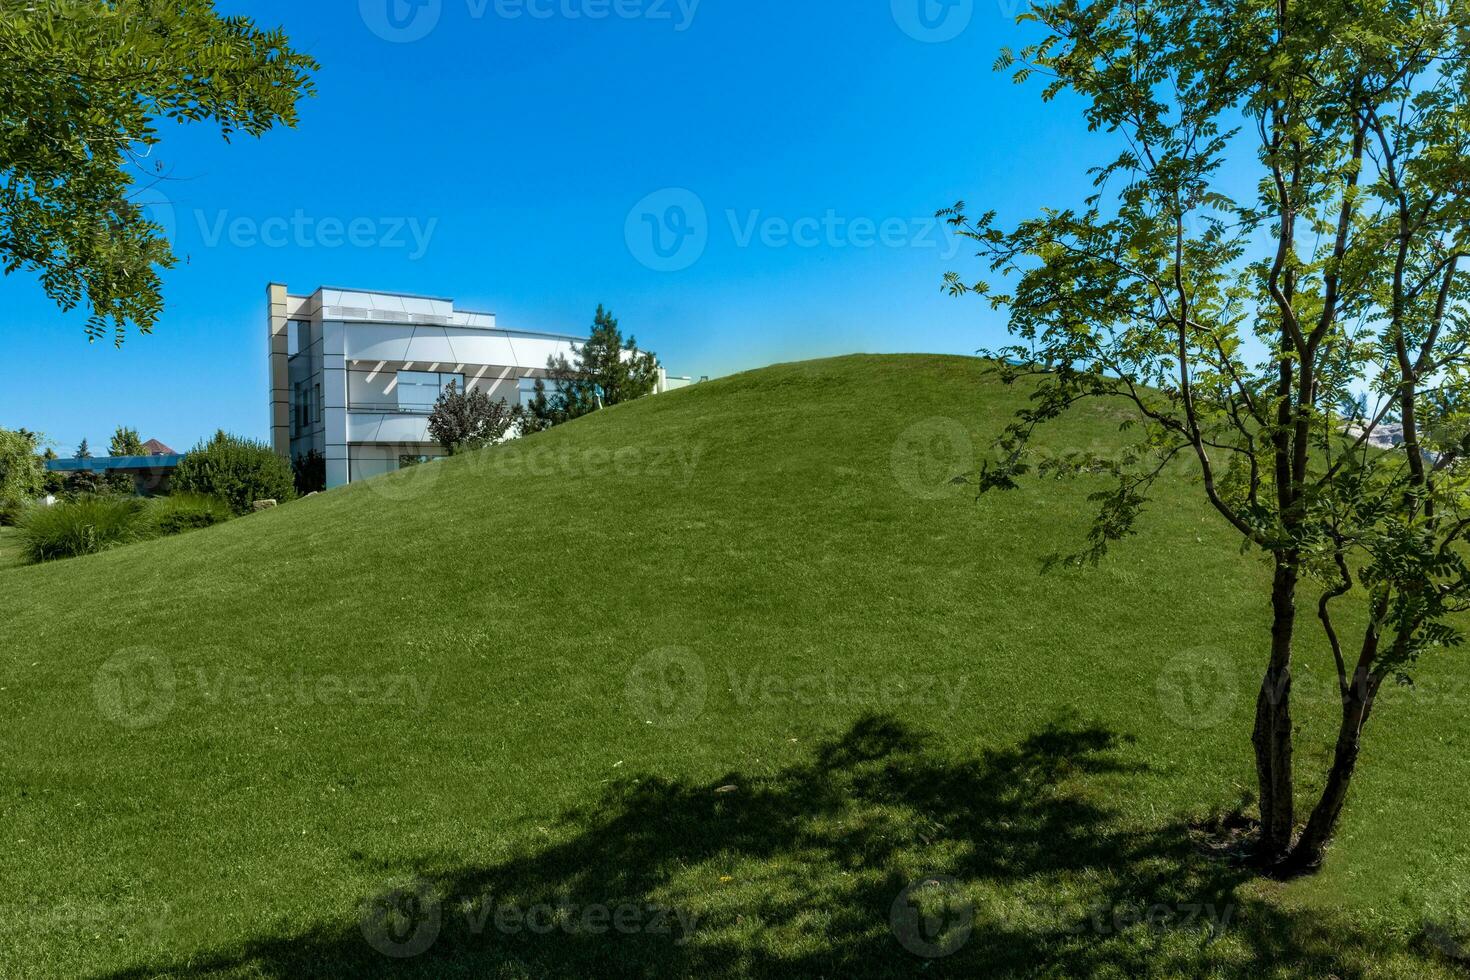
point(150, 472)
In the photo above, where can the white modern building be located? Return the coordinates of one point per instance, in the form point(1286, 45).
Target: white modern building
point(355, 374)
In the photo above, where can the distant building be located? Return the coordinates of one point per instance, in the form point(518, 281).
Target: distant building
point(1385, 435)
point(354, 375)
point(151, 474)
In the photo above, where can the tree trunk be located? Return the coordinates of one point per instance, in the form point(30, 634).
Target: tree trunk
point(1272, 735)
point(1312, 846)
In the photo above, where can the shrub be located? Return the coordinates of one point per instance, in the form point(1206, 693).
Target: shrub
point(237, 470)
point(84, 483)
point(311, 473)
point(467, 420)
point(185, 512)
point(12, 511)
point(51, 482)
point(83, 526)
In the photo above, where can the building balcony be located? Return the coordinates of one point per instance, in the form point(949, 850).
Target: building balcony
point(393, 408)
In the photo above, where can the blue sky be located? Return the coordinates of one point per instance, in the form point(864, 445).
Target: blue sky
point(519, 156)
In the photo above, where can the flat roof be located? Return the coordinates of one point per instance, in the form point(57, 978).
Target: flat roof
point(384, 292)
point(558, 334)
point(114, 464)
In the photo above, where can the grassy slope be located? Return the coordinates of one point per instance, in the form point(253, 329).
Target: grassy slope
point(10, 550)
point(970, 716)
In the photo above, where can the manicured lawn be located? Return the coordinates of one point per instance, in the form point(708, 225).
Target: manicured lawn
point(10, 552)
point(699, 684)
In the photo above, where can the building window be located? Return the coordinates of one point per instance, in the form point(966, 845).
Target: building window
point(419, 391)
point(528, 389)
point(405, 460)
point(301, 411)
point(295, 337)
point(306, 408)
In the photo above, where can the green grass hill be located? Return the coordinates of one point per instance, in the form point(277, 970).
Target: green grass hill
point(698, 686)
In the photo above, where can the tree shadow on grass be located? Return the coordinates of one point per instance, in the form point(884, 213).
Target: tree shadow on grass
point(878, 855)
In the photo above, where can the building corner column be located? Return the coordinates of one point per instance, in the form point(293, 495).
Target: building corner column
point(278, 350)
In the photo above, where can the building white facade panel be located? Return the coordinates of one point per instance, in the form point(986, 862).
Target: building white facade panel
point(355, 373)
point(397, 430)
point(364, 368)
point(452, 346)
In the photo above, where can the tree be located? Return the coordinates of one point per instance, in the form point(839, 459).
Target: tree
point(125, 442)
point(52, 483)
point(463, 421)
point(540, 413)
point(22, 476)
point(83, 483)
point(83, 84)
point(1240, 320)
point(604, 371)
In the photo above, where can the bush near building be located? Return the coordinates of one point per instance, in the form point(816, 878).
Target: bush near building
point(463, 421)
point(237, 470)
point(310, 471)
